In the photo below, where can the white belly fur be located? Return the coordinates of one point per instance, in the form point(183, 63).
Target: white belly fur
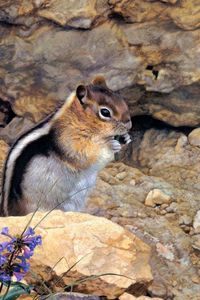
point(48, 182)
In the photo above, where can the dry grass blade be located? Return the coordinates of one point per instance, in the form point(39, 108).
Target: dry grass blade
point(38, 206)
point(59, 205)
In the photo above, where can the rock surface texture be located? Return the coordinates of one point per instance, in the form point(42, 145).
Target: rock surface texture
point(147, 50)
point(93, 245)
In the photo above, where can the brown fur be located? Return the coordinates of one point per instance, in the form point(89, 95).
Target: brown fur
point(86, 133)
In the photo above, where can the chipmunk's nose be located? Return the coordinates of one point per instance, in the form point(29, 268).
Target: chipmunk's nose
point(128, 124)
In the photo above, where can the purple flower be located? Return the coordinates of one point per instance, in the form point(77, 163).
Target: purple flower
point(3, 260)
point(38, 240)
point(6, 246)
point(27, 252)
point(19, 276)
point(28, 232)
point(24, 265)
point(10, 247)
point(20, 269)
point(14, 254)
point(4, 277)
point(5, 231)
point(3, 246)
point(32, 242)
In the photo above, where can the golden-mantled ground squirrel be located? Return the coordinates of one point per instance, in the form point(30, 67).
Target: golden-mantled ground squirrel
point(58, 160)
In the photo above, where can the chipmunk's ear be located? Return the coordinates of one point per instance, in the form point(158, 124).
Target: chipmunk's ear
point(99, 80)
point(81, 93)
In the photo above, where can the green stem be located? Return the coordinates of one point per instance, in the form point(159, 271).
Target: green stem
point(7, 290)
point(1, 287)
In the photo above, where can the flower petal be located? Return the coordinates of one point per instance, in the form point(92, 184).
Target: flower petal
point(3, 259)
point(29, 231)
point(4, 278)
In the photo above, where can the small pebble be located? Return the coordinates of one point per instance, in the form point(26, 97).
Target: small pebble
point(196, 222)
point(121, 175)
point(187, 220)
point(155, 197)
point(173, 207)
point(196, 279)
point(194, 137)
point(132, 182)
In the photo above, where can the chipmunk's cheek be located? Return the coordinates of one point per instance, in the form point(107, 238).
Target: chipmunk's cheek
point(108, 130)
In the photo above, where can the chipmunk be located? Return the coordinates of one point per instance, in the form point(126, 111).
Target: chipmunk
point(55, 164)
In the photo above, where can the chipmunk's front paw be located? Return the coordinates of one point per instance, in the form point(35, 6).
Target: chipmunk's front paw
point(127, 138)
point(114, 145)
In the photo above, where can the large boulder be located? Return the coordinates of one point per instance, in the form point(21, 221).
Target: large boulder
point(94, 246)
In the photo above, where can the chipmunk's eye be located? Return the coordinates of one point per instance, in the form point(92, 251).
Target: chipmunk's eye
point(105, 113)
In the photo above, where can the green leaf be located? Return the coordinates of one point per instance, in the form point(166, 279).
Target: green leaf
point(17, 290)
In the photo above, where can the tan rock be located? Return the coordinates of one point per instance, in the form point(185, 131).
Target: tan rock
point(35, 106)
point(181, 143)
point(121, 175)
point(185, 15)
point(15, 128)
point(156, 196)
point(165, 251)
point(196, 222)
point(124, 204)
point(159, 156)
point(194, 137)
point(72, 296)
point(96, 245)
point(3, 153)
point(127, 296)
point(142, 47)
point(81, 14)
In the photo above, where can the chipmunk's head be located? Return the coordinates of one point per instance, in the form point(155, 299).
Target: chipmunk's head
point(105, 106)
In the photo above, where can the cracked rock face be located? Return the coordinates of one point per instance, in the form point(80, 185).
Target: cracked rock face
point(147, 50)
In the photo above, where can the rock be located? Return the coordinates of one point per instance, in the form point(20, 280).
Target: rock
point(186, 220)
point(157, 154)
point(181, 143)
point(4, 150)
point(196, 243)
point(196, 222)
point(158, 290)
point(155, 197)
point(196, 279)
point(140, 11)
point(127, 296)
point(15, 129)
point(123, 203)
point(147, 50)
point(94, 245)
point(35, 107)
point(194, 137)
point(82, 14)
point(121, 175)
point(165, 251)
point(71, 296)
